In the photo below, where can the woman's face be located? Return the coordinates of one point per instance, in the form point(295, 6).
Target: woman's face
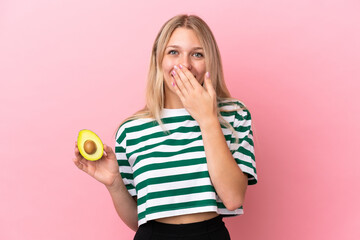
point(183, 48)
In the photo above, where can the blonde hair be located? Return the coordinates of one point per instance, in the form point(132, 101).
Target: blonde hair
point(155, 84)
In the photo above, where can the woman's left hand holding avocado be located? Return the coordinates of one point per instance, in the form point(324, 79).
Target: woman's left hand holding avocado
point(199, 101)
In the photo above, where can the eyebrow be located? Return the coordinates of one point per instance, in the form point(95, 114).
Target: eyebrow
point(176, 46)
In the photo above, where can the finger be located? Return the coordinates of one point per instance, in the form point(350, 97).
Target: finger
point(80, 158)
point(109, 151)
point(84, 162)
point(179, 93)
point(191, 78)
point(208, 85)
point(77, 152)
point(179, 83)
point(184, 79)
point(79, 164)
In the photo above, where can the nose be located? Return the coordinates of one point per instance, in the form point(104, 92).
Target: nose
point(185, 61)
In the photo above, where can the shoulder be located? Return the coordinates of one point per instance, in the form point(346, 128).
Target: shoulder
point(131, 124)
point(235, 107)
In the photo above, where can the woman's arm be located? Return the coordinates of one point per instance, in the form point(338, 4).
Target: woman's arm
point(229, 181)
point(124, 203)
point(106, 171)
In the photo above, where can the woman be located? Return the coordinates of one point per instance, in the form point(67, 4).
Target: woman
point(184, 161)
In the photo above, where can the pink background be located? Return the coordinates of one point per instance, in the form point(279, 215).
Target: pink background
point(68, 65)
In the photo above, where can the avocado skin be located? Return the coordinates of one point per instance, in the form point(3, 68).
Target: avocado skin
point(85, 135)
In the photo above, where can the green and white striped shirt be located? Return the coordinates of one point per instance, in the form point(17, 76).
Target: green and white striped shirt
point(168, 171)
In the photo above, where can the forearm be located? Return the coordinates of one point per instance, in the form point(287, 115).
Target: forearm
point(229, 181)
point(124, 203)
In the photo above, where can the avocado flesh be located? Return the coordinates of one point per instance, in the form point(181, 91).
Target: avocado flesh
point(87, 135)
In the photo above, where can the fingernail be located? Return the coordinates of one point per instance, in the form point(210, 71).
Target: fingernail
point(207, 74)
point(173, 73)
point(180, 66)
point(175, 67)
point(173, 84)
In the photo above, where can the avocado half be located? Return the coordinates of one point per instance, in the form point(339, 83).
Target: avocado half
point(90, 145)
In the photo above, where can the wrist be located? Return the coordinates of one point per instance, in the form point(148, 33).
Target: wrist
point(209, 123)
point(116, 185)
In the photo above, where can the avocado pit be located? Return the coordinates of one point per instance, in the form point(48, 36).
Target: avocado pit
point(90, 147)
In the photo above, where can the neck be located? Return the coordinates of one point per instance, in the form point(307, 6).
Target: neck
point(172, 100)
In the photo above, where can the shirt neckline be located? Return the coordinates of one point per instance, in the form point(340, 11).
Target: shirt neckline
point(174, 111)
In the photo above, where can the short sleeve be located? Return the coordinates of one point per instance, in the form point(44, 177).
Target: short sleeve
point(125, 169)
point(243, 152)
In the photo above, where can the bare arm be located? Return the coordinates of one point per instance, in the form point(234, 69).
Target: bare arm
point(228, 179)
point(124, 204)
point(106, 171)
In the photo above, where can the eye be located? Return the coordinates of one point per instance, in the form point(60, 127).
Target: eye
point(198, 55)
point(172, 52)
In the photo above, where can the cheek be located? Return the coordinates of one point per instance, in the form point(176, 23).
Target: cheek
point(201, 69)
point(167, 66)
point(167, 69)
point(203, 66)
